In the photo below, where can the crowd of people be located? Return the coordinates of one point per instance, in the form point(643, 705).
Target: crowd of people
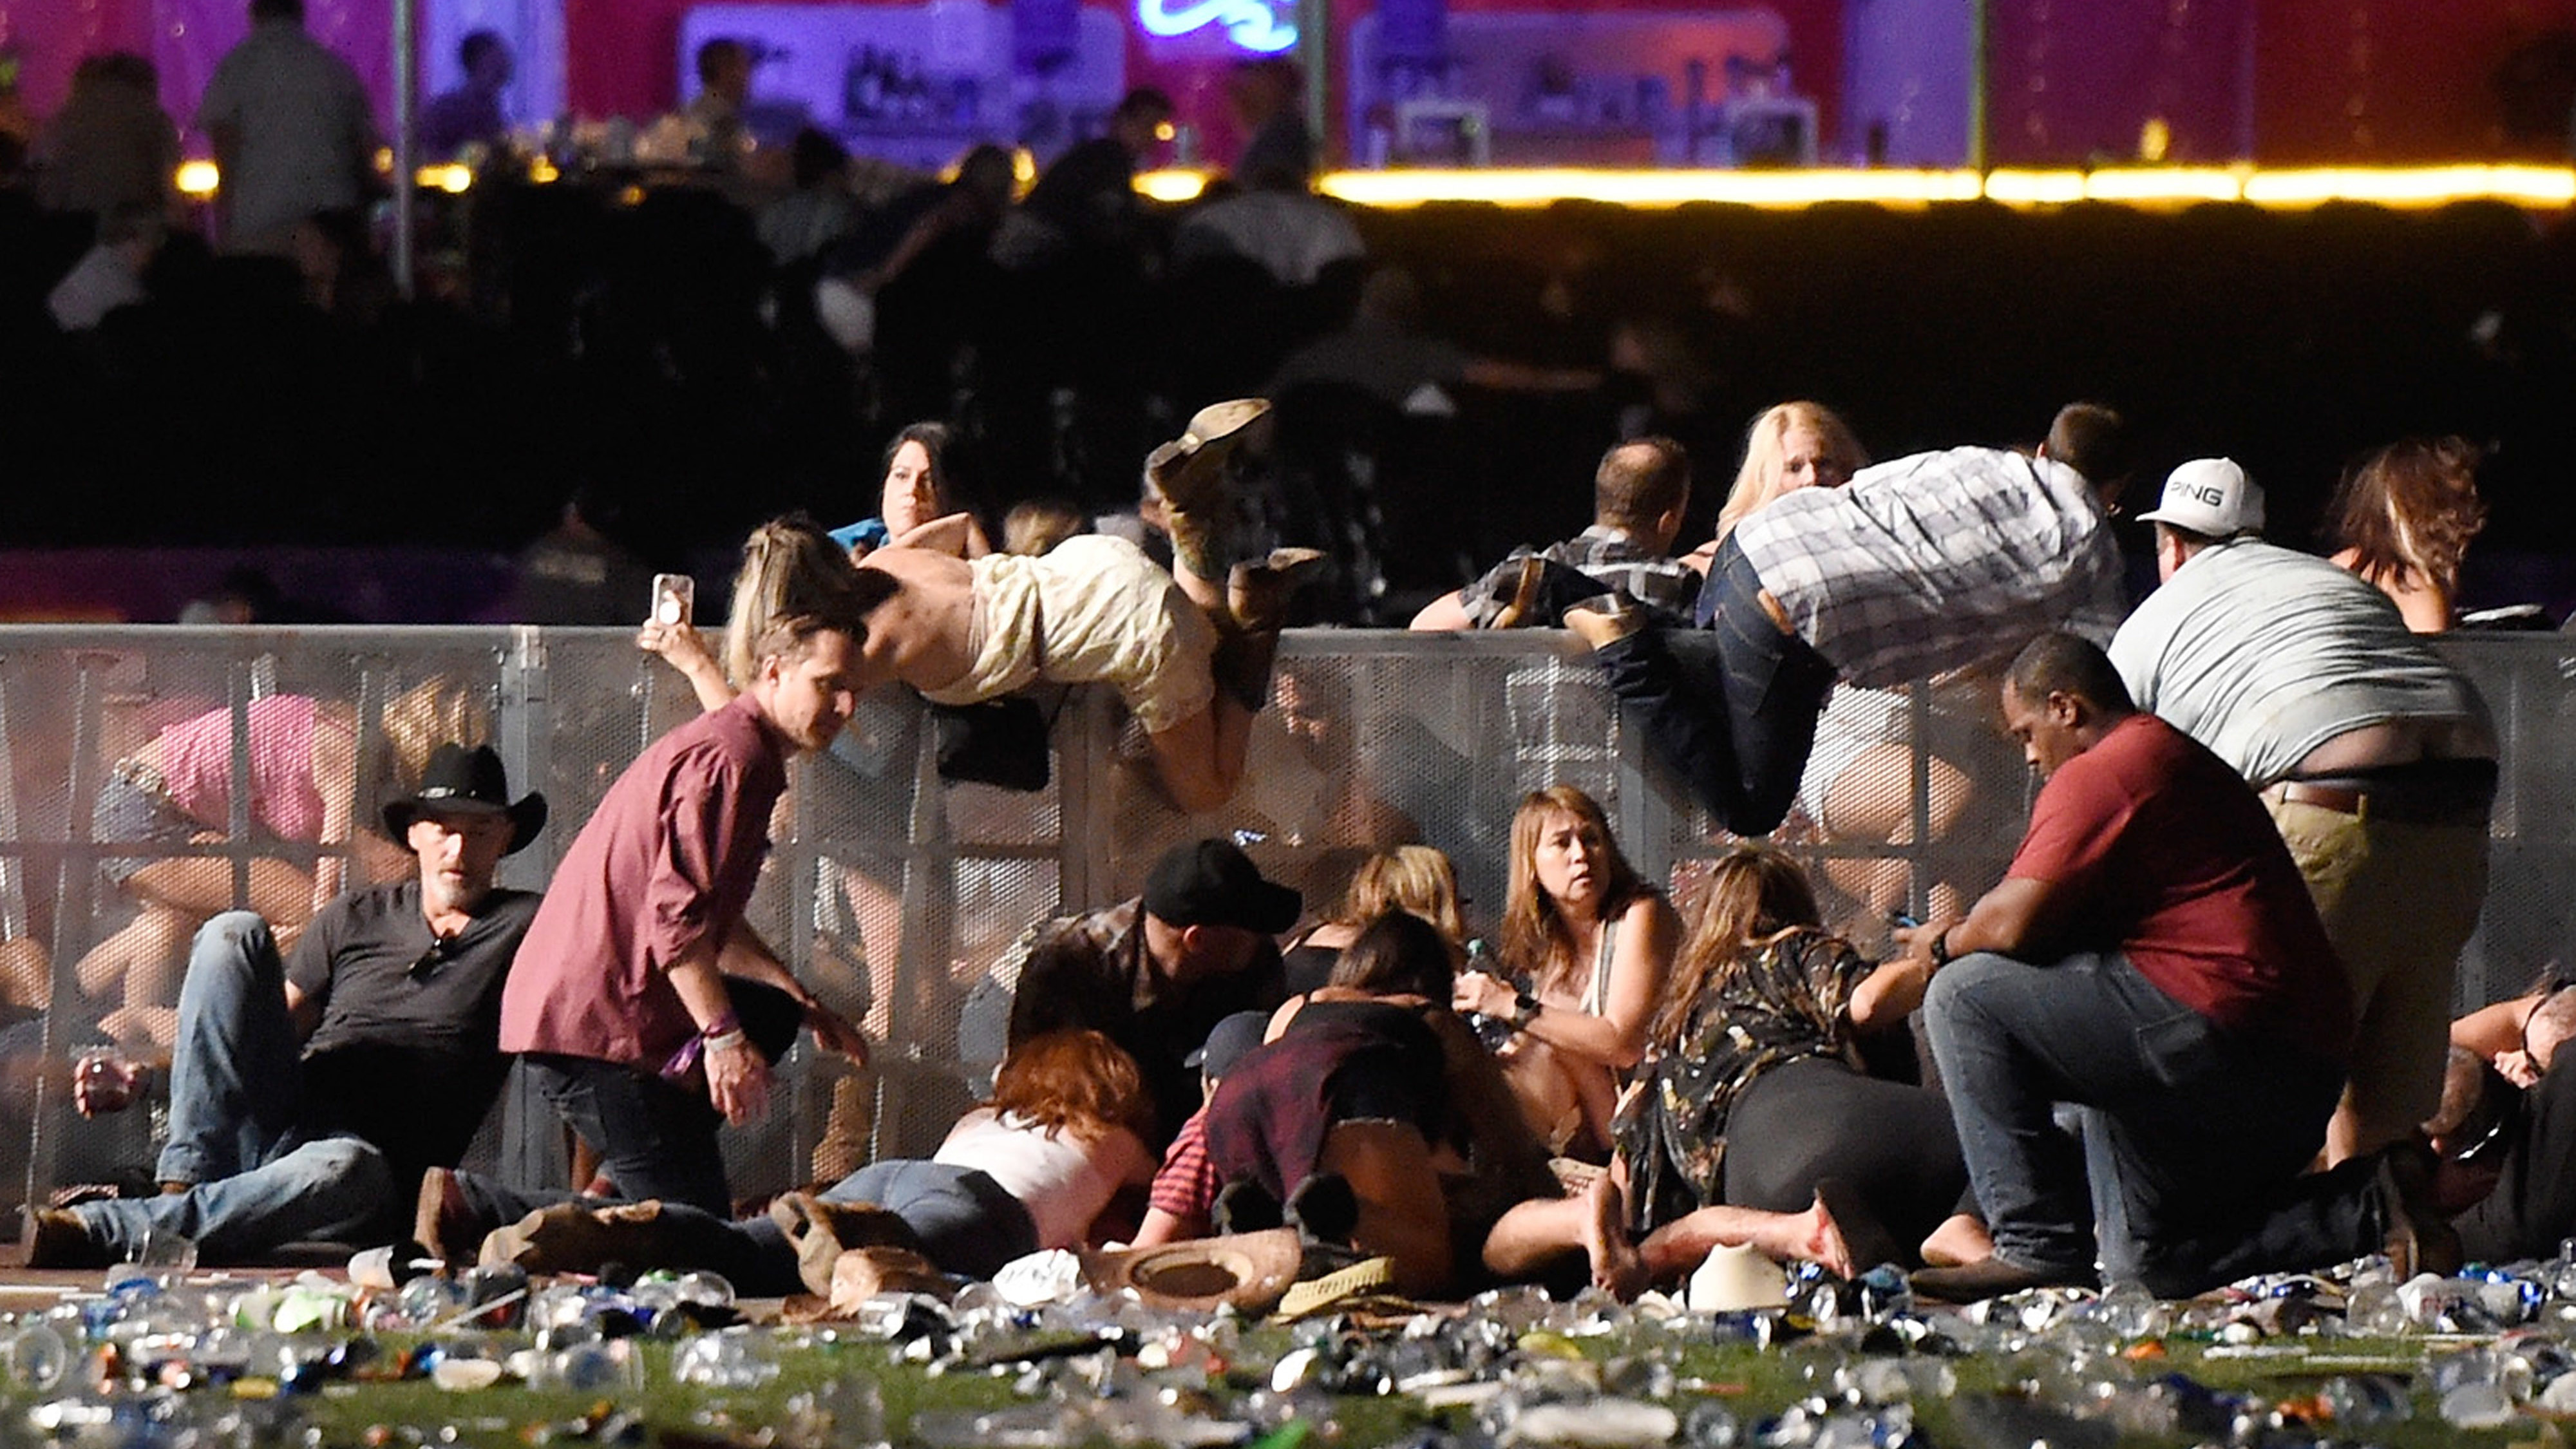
point(2196, 1030)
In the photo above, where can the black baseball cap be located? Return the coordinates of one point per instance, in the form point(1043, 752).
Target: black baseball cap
point(1227, 1042)
point(1213, 883)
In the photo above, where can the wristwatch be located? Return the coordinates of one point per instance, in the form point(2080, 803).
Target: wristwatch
point(1941, 948)
point(1524, 1010)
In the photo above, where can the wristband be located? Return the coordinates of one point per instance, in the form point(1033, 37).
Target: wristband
point(726, 1024)
point(725, 1041)
point(1941, 948)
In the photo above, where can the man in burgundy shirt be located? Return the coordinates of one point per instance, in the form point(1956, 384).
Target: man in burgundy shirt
point(619, 999)
point(2152, 957)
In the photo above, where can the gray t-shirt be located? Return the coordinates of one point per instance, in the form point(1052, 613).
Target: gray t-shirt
point(307, 131)
point(407, 1054)
point(2264, 653)
point(367, 958)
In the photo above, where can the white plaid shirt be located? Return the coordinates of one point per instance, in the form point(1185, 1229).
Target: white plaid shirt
point(1930, 562)
point(1613, 557)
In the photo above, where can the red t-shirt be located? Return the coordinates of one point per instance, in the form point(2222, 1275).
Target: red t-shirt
point(2177, 866)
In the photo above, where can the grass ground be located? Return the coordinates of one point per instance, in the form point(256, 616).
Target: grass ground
point(1989, 1399)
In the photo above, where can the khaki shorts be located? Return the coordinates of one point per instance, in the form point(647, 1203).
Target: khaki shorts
point(2399, 900)
point(1094, 610)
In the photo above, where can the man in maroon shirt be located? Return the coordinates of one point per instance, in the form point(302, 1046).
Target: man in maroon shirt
point(2152, 957)
point(619, 999)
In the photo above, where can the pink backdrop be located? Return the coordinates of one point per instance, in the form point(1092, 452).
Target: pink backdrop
point(2385, 80)
point(184, 38)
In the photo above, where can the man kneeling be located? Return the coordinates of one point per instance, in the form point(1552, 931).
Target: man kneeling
point(2151, 956)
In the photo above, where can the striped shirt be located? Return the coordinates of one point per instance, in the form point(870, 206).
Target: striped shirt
point(1611, 556)
point(1187, 1183)
point(1927, 563)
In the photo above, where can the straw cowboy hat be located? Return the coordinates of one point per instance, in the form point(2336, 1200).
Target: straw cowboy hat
point(1247, 1270)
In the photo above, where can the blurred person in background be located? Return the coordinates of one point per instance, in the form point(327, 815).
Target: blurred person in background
point(111, 273)
point(471, 114)
point(111, 146)
point(293, 131)
point(175, 789)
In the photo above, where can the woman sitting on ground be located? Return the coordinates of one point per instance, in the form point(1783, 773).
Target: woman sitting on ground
point(1365, 1114)
point(1595, 943)
point(1415, 878)
point(1757, 1120)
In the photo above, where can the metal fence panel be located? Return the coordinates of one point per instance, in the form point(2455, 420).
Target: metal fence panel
point(891, 892)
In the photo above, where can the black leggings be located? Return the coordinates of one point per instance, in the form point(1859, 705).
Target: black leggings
point(1813, 1118)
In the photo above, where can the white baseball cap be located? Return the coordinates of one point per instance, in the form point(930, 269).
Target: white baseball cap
point(2210, 496)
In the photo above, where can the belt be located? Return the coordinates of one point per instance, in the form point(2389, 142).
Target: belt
point(143, 777)
point(2396, 806)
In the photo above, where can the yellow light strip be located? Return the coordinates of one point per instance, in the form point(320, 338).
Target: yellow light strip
point(2424, 186)
point(2035, 188)
point(2167, 184)
point(2545, 187)
point(2540, 187)
point(1649, 188)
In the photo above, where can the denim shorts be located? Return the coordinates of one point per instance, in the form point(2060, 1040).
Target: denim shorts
point(133, 808)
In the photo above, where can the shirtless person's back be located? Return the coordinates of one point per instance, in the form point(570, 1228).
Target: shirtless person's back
point(923, 634)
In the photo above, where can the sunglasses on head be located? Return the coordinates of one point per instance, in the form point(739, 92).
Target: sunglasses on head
point(440, 948)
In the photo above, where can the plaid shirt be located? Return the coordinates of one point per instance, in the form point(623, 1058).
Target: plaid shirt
point(1612, 556)
point(1942, 559)
point(1186, 1185)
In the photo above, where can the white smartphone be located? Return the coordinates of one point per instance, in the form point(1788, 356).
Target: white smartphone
point(675, 598)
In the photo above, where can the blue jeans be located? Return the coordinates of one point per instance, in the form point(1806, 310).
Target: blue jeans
point(656, 1137)
point(2205, 1132)
point(1731, 707)
point(968, 1224)
point(236, 1090)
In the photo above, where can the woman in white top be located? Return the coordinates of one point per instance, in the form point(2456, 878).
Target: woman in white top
point(1595, 942)
point(1028, 1170)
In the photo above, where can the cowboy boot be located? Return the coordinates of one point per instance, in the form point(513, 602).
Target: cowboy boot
point(1189, 475)
point(1257, 594)
point(1241, 666)
point(820, 1230)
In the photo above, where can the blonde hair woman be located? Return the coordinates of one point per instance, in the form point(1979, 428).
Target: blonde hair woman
point(1791, 445)
point(1594, 942)
point(1414, 878)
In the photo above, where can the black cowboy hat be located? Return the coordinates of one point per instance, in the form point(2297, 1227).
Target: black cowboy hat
point(463, 779)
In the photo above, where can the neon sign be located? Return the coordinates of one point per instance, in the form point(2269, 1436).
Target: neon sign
point(1250, 24)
